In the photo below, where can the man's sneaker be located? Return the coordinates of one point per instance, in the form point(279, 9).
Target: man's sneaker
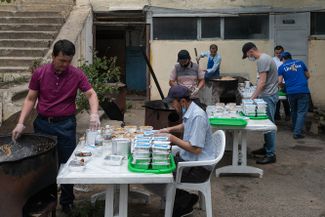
point(266, 160)
point(260, 151)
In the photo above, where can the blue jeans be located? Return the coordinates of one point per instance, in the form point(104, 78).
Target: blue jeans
point(65, 131)
point(269, 137)
point(299, 104)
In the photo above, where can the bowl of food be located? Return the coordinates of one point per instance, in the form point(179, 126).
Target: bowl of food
point(83, 155)
point(77, 165)
point(131, 128)
point(145, 128)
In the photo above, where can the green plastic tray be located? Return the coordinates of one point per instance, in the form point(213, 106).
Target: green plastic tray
point(170, 169)
point(238, 122)
point(263, 117)
point(281, 93)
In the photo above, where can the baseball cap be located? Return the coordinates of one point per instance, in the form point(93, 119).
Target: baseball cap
point(286, 55)
point(246, 47)
point(183, 54)
point(177, 92)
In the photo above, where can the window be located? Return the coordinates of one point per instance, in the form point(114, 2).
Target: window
point(210, 27)
point(174, 28)
point(317, 23)
point(194, 28)
point(247, 27)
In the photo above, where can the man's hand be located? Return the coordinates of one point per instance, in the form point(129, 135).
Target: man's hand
point(17, 131)
point(195, 91)
point(163, 130)
point(94, 122)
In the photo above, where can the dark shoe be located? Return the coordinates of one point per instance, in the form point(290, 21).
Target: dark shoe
point(266, 160)
point(298, 136)
point(67, 208)
point(260, 151)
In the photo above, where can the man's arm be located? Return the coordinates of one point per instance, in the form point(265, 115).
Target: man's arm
point(307, 74)
point(173, 78)
point(185, 145)
point(28, 105)
point(176, 128)
point(93, 101)
point(260, 85)
point(280, 81)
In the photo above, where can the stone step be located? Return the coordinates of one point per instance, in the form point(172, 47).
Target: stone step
point(18, 61)
point(29, 27)
point(14, 69)
point(25, 51)
point(28, 34)
point(25, 43)
point(36, 20)
point(29, 14)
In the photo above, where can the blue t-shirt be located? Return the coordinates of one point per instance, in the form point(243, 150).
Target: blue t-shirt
point(293, 72)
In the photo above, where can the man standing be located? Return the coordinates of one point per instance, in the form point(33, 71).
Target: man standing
point(267, 89)
point(296, 75)
point(196, 144)
point(277, 59)
point(54, 86)
point(188, 74)
point(214, 61)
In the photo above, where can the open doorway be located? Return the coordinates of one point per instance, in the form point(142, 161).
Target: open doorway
point(124, 34)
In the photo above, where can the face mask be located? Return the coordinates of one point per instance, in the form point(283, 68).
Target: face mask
point(183, 110)
point(252, 58)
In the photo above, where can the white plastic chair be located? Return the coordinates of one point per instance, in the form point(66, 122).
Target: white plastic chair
point(204, 188)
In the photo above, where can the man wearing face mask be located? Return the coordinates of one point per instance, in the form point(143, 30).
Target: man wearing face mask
point(267, 89)
point(188, 74)
point(196, 144)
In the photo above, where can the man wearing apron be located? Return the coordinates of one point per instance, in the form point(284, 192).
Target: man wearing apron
point(214, 61)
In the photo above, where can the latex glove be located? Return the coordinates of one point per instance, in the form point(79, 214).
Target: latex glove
point(195, 91)
point(17, 131)
point(94, 122)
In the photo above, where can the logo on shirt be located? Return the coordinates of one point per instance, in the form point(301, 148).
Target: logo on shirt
point(293, 68)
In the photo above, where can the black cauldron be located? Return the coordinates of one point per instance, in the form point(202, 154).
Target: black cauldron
point(26, 167)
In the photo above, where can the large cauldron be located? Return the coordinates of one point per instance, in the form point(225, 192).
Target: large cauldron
point(26, 167)
point(160, 115)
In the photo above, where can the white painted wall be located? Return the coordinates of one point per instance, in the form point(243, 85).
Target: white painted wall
point(163, 56)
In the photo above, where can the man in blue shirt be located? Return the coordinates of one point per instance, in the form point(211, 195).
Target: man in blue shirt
point(196, 144)
point(214, 61)
point(296, 75)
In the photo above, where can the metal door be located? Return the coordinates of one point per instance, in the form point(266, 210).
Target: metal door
point(292, 31)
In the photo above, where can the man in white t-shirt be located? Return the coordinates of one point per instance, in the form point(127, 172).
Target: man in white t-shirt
point(277, 54)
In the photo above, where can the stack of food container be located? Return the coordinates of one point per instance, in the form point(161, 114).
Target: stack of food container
point(256, 107)
point(151, 152)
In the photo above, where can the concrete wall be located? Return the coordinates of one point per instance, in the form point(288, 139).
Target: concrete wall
point(104, 5)
point(317, 69)
point(163, 56)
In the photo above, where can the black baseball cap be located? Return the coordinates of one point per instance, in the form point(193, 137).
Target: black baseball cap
point(285, 55)
point(246, 47)
point(183, 55)
point(177, 92)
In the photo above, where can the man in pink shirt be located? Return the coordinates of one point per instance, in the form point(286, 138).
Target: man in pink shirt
point(54, 86)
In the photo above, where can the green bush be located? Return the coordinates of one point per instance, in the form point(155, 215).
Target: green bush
point(102, 71)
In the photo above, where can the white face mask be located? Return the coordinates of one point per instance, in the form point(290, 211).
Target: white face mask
point(252, 58)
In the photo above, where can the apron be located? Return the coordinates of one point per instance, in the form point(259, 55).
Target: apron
point(210, 66)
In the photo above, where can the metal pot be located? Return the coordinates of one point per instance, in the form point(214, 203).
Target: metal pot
point(160, 115)
point(26, 167)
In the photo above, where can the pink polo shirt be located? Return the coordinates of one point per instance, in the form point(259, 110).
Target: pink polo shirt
point(57, 92)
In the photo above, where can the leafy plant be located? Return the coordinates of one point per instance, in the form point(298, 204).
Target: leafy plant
point(100, 73)
point(8, 1)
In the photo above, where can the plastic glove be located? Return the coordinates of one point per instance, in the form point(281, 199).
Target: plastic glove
point(195, 91)
point(94, 121)
point(17, 131)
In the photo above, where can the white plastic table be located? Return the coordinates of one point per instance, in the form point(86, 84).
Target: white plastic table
point(239, 151)
point(115, 177)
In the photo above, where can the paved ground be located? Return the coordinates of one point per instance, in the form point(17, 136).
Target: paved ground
point(293, 187)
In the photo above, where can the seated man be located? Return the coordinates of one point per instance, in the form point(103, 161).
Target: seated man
point(196, 144)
